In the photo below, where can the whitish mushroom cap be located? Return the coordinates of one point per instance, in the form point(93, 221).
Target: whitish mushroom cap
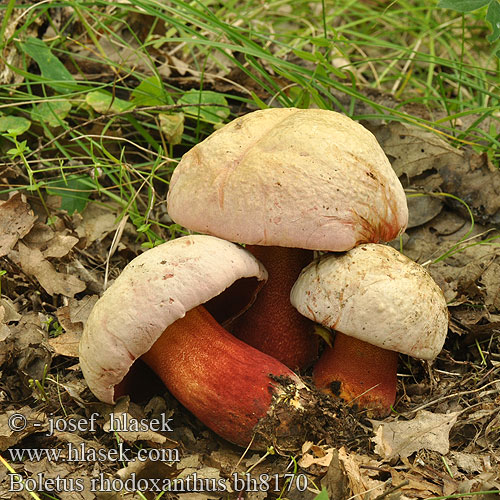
point(154, 290)
point(378, 295)
point(303, 178)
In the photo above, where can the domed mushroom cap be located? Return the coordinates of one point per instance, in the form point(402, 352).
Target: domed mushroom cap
point(375, 294)
point(304, 178)
point(154, 290)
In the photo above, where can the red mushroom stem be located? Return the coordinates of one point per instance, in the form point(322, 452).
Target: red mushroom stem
point(360, 373)
point(227, 384)
point(272, 325)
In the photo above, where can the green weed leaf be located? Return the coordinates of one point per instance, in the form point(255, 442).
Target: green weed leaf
point(322, 496)
point(14, 125)
point(463, 5)
point(493, 17)
point(212, 114)
point(150, 92)
point(51, 113)
point(51, 67)
point(73, 190)
point(307, 56)
point(103, 102)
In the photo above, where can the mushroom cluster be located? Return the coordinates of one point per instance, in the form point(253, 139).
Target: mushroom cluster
point(286, 183)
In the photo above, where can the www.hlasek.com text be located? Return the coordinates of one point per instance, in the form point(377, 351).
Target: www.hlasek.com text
point(84, 453)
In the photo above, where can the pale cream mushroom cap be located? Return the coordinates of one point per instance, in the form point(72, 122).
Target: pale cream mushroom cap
point(378, 295)
point(304, 178)
point(153, 291)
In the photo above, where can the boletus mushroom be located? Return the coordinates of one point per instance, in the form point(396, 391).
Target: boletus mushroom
point(286, 182)
point(379, 303)
point(158, 310)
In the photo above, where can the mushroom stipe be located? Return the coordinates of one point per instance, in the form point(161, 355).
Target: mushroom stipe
point(343, 371)
point(272, 325)
point(227, 384)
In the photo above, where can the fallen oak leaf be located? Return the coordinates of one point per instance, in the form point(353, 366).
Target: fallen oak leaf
point(66, 344)
point(74, 316)
point(6, 344)
point(96, 223)
point(346, 479)
point(427, 430)
point(34, 264)
point(60, 245)
point(416, 153)
point(52, 241)
point(16, 221)
point(315, 455)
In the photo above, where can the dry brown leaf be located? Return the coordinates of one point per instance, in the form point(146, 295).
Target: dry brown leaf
point(179, 65)
point(448, 223)
point(97, 222)
point(66, 344)
point(491, 281)
point(422, 209)
point(459, 275)
point(315, 455)
point(257, 495)
point(192, 461)
point(74, 316)
point(335, 480)
point(199, 496)
point(34, 264)
point(75, 484)
point(417, 486)
point(146, 468)
point(10, 310)
point(345, 478)
point(92, 277)
point(468, 462)
point(6, 344)
point(16, 220)
point(429, 431)
point(63, 317)
point(487, 480)
point(31, 353)
point(60, 245)
point(40, 235)
point(207, 474)
point(414, 151)
point(13, 418)
point(29, 332)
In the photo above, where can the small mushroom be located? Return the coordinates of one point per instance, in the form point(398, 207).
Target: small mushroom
point(380, 303)
point(157, 310)
point(287, 182)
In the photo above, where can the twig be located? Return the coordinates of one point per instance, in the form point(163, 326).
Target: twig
point(454, 395)
point(392, 490)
